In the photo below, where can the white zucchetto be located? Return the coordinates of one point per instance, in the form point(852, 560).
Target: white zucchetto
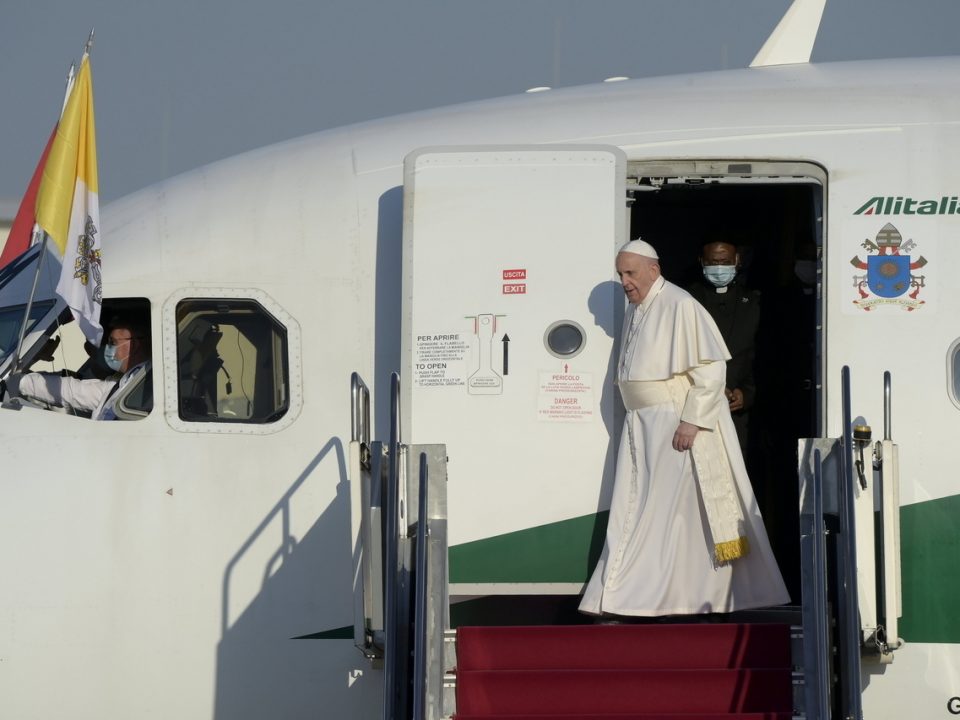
point(639, 247)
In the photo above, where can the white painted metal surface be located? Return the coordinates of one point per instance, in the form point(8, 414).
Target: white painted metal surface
point(793, 39)
point(499, 246)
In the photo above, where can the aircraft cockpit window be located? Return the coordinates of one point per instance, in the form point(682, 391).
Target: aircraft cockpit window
point(138, 402)
point(232, 362)
point(953, 372)
point(60, 370)
point(11, 318)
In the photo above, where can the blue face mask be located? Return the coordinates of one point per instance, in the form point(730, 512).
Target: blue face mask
point(720, 275)
point(111, 359)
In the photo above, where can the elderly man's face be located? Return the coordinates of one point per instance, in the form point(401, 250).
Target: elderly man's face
point(637, 275)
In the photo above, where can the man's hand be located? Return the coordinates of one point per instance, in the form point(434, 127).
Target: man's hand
point(683, 437)
point(735, 397)
point(46, 352)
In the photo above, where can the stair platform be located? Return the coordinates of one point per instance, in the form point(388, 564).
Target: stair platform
point(623, 647)
point(726, 671)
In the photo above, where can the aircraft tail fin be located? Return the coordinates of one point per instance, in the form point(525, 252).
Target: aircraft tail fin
point(792, 40)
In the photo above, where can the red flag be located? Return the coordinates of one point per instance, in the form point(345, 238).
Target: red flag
point(22, 229)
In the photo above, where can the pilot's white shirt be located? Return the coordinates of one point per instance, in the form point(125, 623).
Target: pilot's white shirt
point(94, 396)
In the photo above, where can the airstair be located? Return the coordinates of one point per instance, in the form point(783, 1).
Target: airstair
point(786, 664)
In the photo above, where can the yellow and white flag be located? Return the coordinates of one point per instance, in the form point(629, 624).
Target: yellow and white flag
point(68, 207)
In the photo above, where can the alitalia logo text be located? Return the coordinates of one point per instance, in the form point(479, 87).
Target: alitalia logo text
point(899, 205)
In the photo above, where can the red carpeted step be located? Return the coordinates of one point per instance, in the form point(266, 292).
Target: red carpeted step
point(623, 647)
point(634, 716)
point(593, 692)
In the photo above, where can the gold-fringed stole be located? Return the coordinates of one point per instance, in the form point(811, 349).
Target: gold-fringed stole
point(731, 550)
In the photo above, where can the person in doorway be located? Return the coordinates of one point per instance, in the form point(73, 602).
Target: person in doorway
point(127, 353)
point(736, 310)
point(684, 533)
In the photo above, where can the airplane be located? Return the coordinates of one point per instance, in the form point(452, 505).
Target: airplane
point(211, 556)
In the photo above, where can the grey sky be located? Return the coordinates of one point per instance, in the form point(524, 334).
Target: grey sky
point(181, 83)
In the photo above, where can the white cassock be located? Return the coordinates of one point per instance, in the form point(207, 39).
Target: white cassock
point(659, 556)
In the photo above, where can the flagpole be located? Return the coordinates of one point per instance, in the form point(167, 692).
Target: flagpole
point(15, 365)
point(26, 313)
point(71, 75)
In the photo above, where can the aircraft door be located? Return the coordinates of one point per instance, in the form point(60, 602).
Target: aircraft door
point(511, 310)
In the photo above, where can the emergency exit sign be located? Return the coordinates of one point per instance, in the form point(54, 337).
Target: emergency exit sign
point(510, 285)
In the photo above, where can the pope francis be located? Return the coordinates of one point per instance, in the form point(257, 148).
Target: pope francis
point(685, 534)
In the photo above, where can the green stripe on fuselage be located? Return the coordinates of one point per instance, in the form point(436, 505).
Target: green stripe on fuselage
point(930, 574)
point(564, 551)
point(567, 551)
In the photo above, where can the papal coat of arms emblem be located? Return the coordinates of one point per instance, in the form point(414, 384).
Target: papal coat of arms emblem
point(87, 264)
point(890, 277)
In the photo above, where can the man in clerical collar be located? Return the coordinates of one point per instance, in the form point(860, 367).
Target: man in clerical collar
point(736, 310)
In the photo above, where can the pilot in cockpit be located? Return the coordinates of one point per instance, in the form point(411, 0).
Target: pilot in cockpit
point(127, 354)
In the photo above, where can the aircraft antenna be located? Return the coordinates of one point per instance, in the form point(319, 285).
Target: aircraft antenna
point(792, 40)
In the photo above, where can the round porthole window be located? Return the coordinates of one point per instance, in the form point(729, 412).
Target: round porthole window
point(564, 339)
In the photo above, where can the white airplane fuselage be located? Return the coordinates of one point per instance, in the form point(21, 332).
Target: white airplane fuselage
point(175, 569)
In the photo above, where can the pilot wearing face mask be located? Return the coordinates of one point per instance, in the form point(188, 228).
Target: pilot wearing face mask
point(126, 353)
point(736, 310)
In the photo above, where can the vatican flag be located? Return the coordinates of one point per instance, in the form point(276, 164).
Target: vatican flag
point(68, 208)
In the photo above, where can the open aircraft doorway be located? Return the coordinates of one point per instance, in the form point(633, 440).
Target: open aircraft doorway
point(772, 214)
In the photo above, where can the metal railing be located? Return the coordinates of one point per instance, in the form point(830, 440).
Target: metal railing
point(359, 410)
point(886, 463)
point(816, 621)
point(848, 631)
point(881, 582)
point(887, 406)
point(367, 482)
point(396, 605)
point(831, 613)
point(431, 600)
point(420, 636)
point(416, 607)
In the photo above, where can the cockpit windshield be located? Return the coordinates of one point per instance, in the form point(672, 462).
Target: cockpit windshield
point(11, 318)
point(34, 274)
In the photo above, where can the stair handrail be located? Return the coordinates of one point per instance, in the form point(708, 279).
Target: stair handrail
point(887, 546)
point(822, 642)
point(849, 633)
point(359, 409)
point(395, 666)
point(887, 406)
point(367, 484)
point(421, 562)
point(815, 608)
point(881, 554)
